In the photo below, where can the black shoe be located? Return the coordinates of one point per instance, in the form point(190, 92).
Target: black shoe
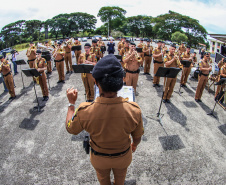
point(46, 98)
point(158, 85)
point(148, 74)
point(62, 81)
point(168, 101)
point(181, 85)
point(12, 98)
point(144, 73)
point(71, 72)
point(185, 86)
point(196, 100)
point(59, 81)
point(67, 72)
point(164, 100)
point(43, 99)
point(154, 85)
point(199, 100)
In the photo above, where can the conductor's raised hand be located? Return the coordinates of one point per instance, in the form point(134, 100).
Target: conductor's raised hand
point(72, 95)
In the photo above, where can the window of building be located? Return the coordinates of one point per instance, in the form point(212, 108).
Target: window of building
point(218, 44)
point(213, 43)
point(212, 48)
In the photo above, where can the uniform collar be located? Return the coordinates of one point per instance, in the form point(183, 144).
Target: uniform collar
point(104, 100)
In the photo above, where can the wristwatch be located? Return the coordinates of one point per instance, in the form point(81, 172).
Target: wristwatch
point(70, 104)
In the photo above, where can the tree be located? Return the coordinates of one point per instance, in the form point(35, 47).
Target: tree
point(33, 28)
point(109, 14)
point(179, 37)
point(140, 24)
point(101, 30)
point(167, 24)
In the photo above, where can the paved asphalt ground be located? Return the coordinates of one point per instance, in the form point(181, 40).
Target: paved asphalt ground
point(35, 148)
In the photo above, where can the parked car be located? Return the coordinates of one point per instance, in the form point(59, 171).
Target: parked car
point(84, 39)
point(104, 39)
point(79, 39)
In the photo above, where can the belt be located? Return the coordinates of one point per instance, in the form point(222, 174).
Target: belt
point(203, 74)
point(31, 60)
point(109, 155)
point(155, 61)
point(59, 60)
point(137, 71)
point(148, 55)
point(7, 74)
point(68, 52)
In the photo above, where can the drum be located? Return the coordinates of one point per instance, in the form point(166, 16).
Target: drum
point(47, 57)
point(196, 73)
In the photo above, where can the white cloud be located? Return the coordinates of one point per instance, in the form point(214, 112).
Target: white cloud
point(210, 15)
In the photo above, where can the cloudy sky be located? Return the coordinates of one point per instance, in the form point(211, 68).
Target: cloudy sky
point(210, 13)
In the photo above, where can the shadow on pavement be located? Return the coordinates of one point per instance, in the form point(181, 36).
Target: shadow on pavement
point(223, 129)
point(171, 142)
point(56, 90)
point(190, 104)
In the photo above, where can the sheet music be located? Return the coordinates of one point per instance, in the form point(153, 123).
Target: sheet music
point(125, 92)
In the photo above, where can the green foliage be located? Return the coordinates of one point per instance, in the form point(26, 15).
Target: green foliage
point(101, 30)
point(112, 15)
point(116, 34)
point(179, 37)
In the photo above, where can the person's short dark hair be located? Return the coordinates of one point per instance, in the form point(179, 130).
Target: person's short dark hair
point(31, 42)
point(206, 53)
point(148, 40)
point(59, 43)
point(141, 39)
point(132, 43)
point(108, 73)
point(100, 37)
point(38, 51)
point(94, 41)
point(46, 42)
point(159, 41)
point(173, 45)
point(195, 53)
point(76, 38)
point(88, 44)
point(188, 46)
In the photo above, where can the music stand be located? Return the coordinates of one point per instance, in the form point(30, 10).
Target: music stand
point(83, 68)
point(186, 64)
point(21, 62)
point(139, 50)
point(166, 72)
point(221, 82)
point(34, 73)
point(76, 48)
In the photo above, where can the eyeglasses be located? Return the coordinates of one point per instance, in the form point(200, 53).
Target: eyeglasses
point(38, 53)
point(86, 47)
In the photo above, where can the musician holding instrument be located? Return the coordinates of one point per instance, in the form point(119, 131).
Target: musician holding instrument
point(88, 81)
point(96, 50)
point(170, 60)
point(194, 59)
point(121, 44)
point(67, 56)
point(182, 48)
point(31, 54)
point(205, 69)
point(59, 59)
point(186, 70)
point(141, 45)
point(102, 46)
point(158, 62)
point(133, 61)
point(41, 65)
point(147, 50)
point(8, 77)
point(77, 52)
point(222, 75)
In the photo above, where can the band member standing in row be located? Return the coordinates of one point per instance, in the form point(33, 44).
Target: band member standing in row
point(49, 65)
point(88, 81)
point(96, 50)
point(121, 44)
point(164, 48)
point(147, 50)
point(186, 70)
point(59, 59)
point(8, 77)
point(194, 59)
point(133, 62)
point(205, 69)
point(181, 49)
point(99, 44)
point(77, 52)
point(158, 62)
point(111, 47)
point(141, 45)
point(41, 65)
point(31, 54)
point(68, 57)
point(222, 75)
point(170, 60)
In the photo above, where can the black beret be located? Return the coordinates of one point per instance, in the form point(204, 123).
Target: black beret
point(108, 66)
point(94, 41)
point(38, 51)
point(132, 43)
point(88, 44)
point(1, 57)
point(76, 38)
point(141, 39)
point(31, 42)
point(173, 45)
point(127, 41)
point(206, 53)
point(188, 46)
point(100, 37)
point(148, 40)
point(59, 43)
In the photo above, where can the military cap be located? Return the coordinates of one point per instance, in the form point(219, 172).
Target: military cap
point(206, 53)
point(59, 43)
point(1, 57)
point(173, 45)
point(188, 46)
point(127, 41)
point(100, 37)
point(38, 51)
point(94, 41)
point(88, 44)
point(31, 42)
point(132, 43)
point(108, 66)
point(46, 41)
point(141, 39)
point(148, 40)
